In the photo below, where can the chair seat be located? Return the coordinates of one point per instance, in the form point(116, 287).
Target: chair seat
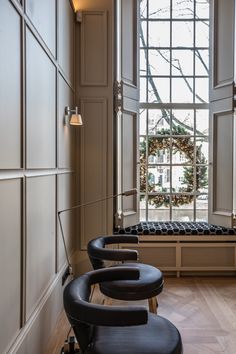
point(149, 284)
point(158, 336)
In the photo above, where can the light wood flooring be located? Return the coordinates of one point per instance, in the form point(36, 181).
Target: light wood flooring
point(203, 309)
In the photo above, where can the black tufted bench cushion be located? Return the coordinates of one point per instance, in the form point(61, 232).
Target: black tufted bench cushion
point(175, 228)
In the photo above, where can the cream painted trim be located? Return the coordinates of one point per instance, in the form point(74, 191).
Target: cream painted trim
point(188, 238)
point(13, 174)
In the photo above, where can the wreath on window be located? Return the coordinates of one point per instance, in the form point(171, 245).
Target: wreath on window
point(184, 144)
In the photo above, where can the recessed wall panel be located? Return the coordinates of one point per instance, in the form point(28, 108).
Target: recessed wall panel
point(207, 256)
point(43, 15)
point(10, 260)
point(158, 257)
point(129, 42)
point(40, 237)
point(40, 106)
point(66, 199)
point(66, 39)
point(10, 87)
point(223, 49)
point(66, 133)
point(93, 167)
point(93, 69)
point(129, 153)
point(222, 162)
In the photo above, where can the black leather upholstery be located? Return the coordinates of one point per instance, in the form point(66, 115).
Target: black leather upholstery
point(116, 330)
point(98, 253)
point(150, 282)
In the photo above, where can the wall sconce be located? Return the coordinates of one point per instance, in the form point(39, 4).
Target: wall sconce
point(74, 118)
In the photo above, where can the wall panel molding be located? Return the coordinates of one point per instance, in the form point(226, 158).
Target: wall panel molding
point(10, 88)
point(221, 53)
point(42, 14)
point(40, 237)
point(93, 165)
point(40, 106)
point(10, 260)
point(94, 51)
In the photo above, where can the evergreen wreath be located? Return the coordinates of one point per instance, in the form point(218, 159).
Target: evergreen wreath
point(185, 145)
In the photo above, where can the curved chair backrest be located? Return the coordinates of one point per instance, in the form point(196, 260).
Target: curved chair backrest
point(98, 253)
point(83, 316)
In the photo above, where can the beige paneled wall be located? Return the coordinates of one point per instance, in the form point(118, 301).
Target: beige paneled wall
point(36, 167)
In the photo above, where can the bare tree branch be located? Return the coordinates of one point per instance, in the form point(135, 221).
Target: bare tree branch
point(165, 112)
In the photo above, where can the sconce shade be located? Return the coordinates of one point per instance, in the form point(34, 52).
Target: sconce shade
point(76, 119)
point(72, 116)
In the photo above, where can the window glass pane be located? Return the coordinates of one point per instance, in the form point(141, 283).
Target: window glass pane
point(202, 8)
point(159, 8)
point(143, 34)
point(142, 158)
point(202, 207)
point(143, 62)
point(159, 201)
point(159, 62)
point(159, 34)
point(159, 152)
point(182, 179)
point(202, 202)
point(158, 122)
point(142, 215)
point(202, 179)
point(182, 9)
point(202, 34)
point(142, 208)
point(142, 121)
point(182, 150)
point(182, 34)
point(182, 122)
point(159, 90)
point(182, 62)
point(202, 121)
point(143, 89)
point(201, 215)
point(201, 151)
point(201, 62)
point(202, 90)
point(143, 8)
point(158, 214)
point(158, 179)
point(182, 215)
point(182, 90)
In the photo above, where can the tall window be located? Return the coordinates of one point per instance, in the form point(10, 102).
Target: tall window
point(174, 56)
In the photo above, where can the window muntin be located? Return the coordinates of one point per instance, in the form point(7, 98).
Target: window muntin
point(174, 62)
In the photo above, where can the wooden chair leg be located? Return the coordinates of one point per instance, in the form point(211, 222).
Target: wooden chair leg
point(153, 304)
point(107, 301)
point(92, 293)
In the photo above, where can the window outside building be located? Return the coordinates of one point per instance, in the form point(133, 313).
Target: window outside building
point(174, 89)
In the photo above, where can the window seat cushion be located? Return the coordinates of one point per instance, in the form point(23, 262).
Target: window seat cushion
point(175, 228)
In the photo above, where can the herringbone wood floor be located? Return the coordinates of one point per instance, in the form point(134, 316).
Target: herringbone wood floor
point(203, 309)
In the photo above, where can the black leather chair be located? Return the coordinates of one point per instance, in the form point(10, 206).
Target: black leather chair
point(116, 330)
point(150, 282)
